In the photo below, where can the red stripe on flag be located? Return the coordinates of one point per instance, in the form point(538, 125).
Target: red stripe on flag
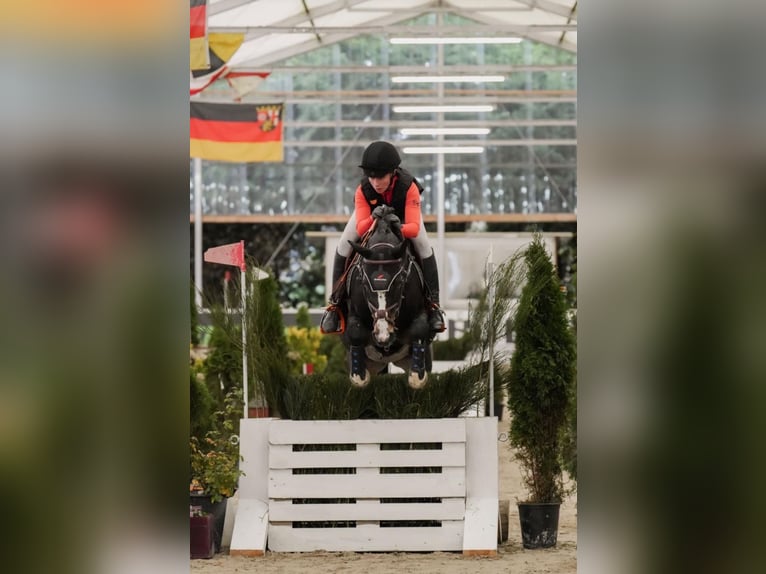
point(199, 84)
point(197, 21)
point(247, 74)
point(232, 131)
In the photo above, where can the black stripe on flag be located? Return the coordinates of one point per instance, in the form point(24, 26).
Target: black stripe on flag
point(224, 112)
point(215, 64)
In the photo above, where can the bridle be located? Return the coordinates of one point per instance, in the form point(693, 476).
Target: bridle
point(389, 312)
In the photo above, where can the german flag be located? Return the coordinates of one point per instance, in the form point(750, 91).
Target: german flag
point(198, 52)
point(236, 132)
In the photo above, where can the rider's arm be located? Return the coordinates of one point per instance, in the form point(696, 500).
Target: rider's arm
point(411, 225)
point(363, 212)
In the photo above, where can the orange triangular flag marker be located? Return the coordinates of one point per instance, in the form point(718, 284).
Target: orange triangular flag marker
point(231, 254)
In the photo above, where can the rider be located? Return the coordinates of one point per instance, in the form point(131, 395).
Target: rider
point(385, 184)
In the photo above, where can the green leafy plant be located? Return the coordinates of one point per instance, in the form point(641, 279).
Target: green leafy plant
point(267, 358)
point(200, 405)
point(223, 365)
point(454, 349)
point(304, 340)
point(569, 438)
point(193, 318)
point(542, 376)
point(489, 319)
point(215, 458)
point(332, 397)
point(331, 346)
point(324, 397)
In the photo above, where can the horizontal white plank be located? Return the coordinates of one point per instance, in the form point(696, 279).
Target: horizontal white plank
point(366, 537)
point(449, 483)
point(367, 431)
point(282, 456)
point(447, 509)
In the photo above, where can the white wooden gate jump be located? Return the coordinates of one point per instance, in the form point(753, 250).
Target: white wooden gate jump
point(368, 485)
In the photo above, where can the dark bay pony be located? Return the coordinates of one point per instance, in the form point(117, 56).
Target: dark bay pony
point(386, 315)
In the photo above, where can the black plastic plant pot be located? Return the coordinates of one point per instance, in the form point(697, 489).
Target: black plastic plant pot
point(539, 524)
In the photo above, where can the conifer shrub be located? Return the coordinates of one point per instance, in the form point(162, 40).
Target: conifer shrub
point(541, 376)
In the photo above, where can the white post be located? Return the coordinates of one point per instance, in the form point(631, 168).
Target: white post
point(243, 289)
point(198, 232)
point(491, 301)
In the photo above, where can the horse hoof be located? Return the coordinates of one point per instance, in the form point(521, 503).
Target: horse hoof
point(416, 381)
point(358, 381)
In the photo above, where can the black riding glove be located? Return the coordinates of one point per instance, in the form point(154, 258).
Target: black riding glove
point(381, 211)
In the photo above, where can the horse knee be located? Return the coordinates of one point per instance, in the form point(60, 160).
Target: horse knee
point(419, 329)
point(357, 334)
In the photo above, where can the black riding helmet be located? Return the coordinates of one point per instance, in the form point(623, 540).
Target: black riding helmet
point(379, 158)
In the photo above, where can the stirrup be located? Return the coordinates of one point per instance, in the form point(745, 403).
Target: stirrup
point(341, 321)
point(436, 319)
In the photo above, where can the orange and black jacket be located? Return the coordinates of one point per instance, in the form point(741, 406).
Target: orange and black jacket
point(403, 195)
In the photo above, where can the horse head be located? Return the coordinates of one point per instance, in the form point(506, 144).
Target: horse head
point(383, 271)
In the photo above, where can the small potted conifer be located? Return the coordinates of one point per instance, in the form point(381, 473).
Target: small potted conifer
point(539, 387)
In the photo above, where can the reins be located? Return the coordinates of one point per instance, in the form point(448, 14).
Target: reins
point(350, 262)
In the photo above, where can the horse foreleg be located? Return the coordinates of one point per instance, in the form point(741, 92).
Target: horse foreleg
point(418, 373)
point(419, 347)
point(357, 360)
point(357, 366)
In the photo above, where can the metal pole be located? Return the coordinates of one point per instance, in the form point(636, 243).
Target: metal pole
point(198, 232)
point(490, 315)
point(440, 225)
point(440, 183)
point(243, 289)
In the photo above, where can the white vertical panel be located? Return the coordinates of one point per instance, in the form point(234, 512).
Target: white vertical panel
point(480, 534)
point(251, 528)
point(254, 448)
point(481, 457)
point(228, 522)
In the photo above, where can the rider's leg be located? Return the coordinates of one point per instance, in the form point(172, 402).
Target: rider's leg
point(431, 276)
point(331, 320)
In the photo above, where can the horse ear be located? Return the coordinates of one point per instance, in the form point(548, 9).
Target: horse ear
point(363, 251)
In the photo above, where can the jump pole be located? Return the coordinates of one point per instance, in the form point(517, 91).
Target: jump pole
point(198, 232)
point(491, 301)
point(243, 290)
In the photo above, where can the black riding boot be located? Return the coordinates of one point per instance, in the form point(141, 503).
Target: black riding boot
point(331, 320)
point(431, 276)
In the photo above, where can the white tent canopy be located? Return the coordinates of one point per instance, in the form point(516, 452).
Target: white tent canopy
point(278, 29)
